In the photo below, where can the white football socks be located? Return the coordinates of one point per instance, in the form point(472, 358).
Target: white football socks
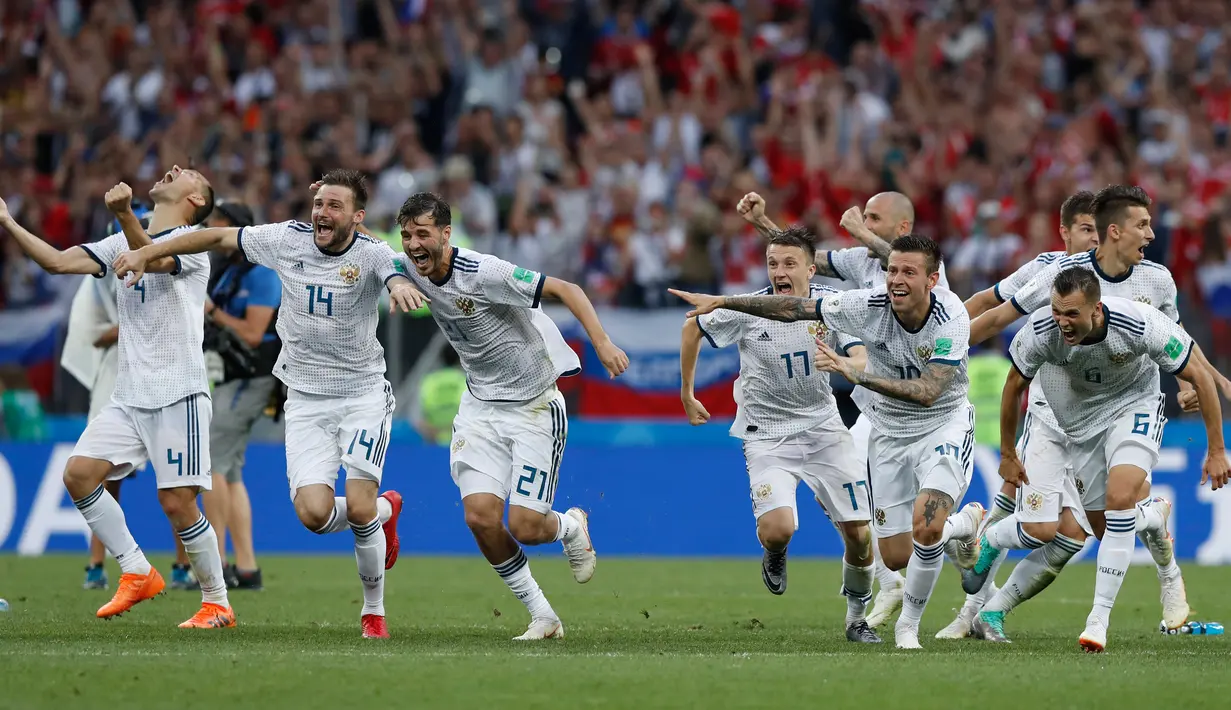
point(106, 520)
point(1115, 552)
point(201, 544)
point(370, 558)
point(516, 573)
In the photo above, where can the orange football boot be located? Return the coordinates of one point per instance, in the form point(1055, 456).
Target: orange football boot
point(133, 589)
point(211, 616)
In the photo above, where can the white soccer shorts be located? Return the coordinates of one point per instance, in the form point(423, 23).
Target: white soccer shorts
point(1133, 438)
point(511, 450)
point(860, 432)
point(822, 457)
point(325, 433)
point(900, 467)
point(1046, 455)
point(175, 439)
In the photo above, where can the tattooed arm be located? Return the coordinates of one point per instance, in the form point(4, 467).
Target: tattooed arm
point(780, 308)
point(923, 391)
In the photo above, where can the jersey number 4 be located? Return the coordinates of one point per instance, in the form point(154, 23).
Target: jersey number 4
point(319, 300)
point(139, 287)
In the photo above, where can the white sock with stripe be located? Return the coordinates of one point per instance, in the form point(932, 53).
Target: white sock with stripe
point(567, 528)
point(337, 519)
point(1034, 573)
point(370, 558)
point(1008, 534)
point(516, 573)
point(857, 588)
point(1002, 507)
point(922, 572)
point(201, 544)
point(384, 510)
point(1115, 552)
point(106, 520)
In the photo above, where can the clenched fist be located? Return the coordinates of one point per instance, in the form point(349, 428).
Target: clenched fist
point(751, 207)
point(852, 220)
point(119, 198)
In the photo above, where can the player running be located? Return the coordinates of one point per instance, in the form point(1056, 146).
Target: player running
point(885, 217)
point(922, 438)
point(160, 406)
point(790, 425)
point(1080, 235)
point(511, 427)
point(1097, 360)
point(1122, 219)
point(339, 405)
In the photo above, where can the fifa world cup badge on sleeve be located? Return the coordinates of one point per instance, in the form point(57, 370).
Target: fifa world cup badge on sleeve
point(523, 275)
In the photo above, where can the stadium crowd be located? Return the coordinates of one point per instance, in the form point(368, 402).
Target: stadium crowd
point(608, 141)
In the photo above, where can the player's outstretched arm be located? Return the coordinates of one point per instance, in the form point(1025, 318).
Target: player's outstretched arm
point(571, 295)
point(134, 264)
point(852, 222)
point(1011, 468)
point(780, 308)
point(690, 349)
point(119, 201)
point(1216, 466)
point(981, 303)
point(993, 322)
point(74, 260)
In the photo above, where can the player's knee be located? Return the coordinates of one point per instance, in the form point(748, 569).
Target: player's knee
point(1070, 528)
point(482, 520)
point(927, 531)
point(894, 558)
point(179, 505)
point(360, 513)
point(312, 518)
point(858, 538)
point(1043, 532)
point(81, 476)
point(774, 534)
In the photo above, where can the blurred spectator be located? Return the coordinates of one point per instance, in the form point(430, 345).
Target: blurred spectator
point(608, 141)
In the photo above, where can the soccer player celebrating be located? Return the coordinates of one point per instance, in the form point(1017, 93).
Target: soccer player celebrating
point(510, 430)
point(1079, 234)
point(1097, 359)
point(339, 405)
point(790, 425)
point(1122, 220)
point(922, 438)
point(159, 409)
point(885, 217)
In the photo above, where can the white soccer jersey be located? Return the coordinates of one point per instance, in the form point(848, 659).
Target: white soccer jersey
point(894, 351)
point(1009, 286)
point(1091, 385)
point(489, 310)
point(162, 323)
point(864, 269)
point(779, 392)
point(1147, 283)
point(330, 307)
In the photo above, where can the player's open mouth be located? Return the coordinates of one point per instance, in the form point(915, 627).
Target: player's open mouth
point(899, 293)
point(1070, 336)
point(324, 230)
point(783, 287)
point(420, 258)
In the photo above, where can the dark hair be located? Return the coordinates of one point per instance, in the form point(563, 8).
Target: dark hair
point(1111, 205)
point(237, 214)
point(352, 179)
point(1077, 203)
point(911, 243)
point(203, 212)
point(1076, 278)
point(426, 203)
point(796, 235)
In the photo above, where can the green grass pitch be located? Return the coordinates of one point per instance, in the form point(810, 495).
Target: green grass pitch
point(644, 633)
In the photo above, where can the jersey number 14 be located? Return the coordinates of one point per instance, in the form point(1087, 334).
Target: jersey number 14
point(319, 300)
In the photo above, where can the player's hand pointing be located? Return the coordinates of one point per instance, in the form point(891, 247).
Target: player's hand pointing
point(1012, 470)
point(701, 303)
point(612, 358)
point(131, 264)
point(119, 198)
point(1215, 469)
point(828, 360)
point(697, 414)
point(406, 297)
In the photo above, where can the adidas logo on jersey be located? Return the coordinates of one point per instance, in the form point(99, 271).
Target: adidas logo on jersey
point(298, 265)
point(764, 337)
point(882, 347)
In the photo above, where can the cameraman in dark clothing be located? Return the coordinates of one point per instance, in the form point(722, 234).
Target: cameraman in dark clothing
point(239, 327)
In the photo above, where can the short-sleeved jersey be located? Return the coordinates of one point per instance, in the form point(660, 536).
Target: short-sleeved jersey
point(489, 310)
point(1147, 283)
point(1091, 384)
point(162, 323)
point(779, 392)
point(330, 307)
point(1011, 284)
point(894, 351)
point(863, 269)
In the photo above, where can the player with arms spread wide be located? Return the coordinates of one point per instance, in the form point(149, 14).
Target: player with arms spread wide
point(790, 424)
point(885, 217)
point(159, 409)
point(509, 434)
point(922, 438)
point(1122, 220)
point(1079, 234)
point(339, 405)
point(1097, 359)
